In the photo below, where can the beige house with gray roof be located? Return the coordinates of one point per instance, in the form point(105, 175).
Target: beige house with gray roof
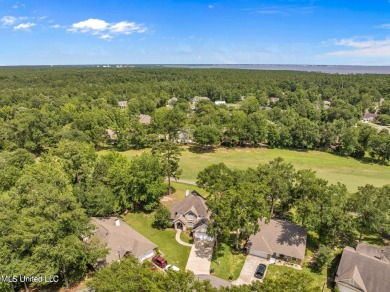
point(121, 240)
point(278, 239)
point(364, 269)
point(191, 213)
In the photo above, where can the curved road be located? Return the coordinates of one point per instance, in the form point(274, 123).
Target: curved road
point(183, 181)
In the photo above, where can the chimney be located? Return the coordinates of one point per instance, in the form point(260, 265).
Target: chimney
point(187, 192)
point(382, 254)
point(117, 222)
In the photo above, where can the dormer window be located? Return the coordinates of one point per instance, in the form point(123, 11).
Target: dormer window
point(190, 216)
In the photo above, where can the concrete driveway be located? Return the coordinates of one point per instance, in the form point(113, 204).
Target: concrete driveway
point(199, 260)
point(249, 269)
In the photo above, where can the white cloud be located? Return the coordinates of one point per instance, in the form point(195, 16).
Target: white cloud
point(105, 30)
point(24, 26)
point(57, 26)
point(211, 6)
point(90, 25)
point(386, 25)
point(106, 37)
point(362, 48)
point(18, 5)
point(8, 20)
point(125, 27)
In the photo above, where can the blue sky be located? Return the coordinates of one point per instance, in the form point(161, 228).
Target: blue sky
point(195, 32)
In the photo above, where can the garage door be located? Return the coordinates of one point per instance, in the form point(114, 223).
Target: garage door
point(147, 255)
point(259, 253)
point(203, 236)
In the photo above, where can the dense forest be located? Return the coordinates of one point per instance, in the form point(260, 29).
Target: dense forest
point(53, 120)
point(41, 106)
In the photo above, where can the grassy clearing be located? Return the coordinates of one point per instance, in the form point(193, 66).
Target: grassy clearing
point(180, 192)
point(172, 251)
point(227, 263)
point(349, 171)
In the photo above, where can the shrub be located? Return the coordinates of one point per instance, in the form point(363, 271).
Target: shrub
point(162, 218)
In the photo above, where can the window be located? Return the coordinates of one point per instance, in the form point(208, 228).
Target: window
point(191, 216)
point(190, 224)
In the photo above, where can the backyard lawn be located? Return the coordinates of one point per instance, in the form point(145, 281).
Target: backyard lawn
point(349, 171)
point(180, 192)
point(175, 253)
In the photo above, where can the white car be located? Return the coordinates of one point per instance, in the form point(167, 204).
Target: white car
point(171, 268)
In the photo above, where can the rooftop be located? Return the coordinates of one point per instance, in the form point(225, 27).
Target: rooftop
point(120, 239)
point(365, 268)
point(280, 237)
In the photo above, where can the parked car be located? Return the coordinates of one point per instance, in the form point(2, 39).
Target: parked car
point(153, 267)
point(171, 268)
point(160, 261)
point(260, 271)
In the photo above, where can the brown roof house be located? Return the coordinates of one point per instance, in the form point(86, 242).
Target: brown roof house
point(191, 213)
point(278, 239)
point(121, 239)
point(369, 118)
point(145, 119)
point(365, 268)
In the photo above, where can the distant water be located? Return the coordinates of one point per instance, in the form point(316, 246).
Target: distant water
point(334, 69)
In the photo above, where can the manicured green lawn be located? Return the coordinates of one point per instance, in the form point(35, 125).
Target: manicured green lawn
point(227, 263)
point(320, 279)
point(186, 238)
point(175, 253)
point(333, 168)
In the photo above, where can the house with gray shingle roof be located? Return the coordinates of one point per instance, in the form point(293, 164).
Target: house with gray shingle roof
point(278, 239)
point(364, 269)
point(122, 104)
point(191, 213)
point(121, 240)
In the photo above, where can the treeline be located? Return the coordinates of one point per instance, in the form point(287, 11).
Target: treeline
point(238, 198)
point(41, 106)
point(46, 206)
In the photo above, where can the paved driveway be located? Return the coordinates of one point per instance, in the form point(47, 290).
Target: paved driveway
point(249, 269)
point(199, 260)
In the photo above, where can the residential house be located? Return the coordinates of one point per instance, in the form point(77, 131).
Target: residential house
point(111, 135)
point(185, 137)
point(193, 101)
point(369, 118)
point(171, 102)
point(121, 240)
point(274, 99)
point(145, 119)
point(191, 213)
point(122, 104)
point(366, 269)
point(278, 239)
point(327, 104)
